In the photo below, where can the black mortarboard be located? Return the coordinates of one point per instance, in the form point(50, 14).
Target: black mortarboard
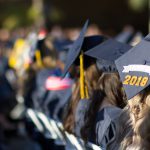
point(75, 49)
point(134, 68)
point(107, 52)
point(88, 43)
point(82, 43)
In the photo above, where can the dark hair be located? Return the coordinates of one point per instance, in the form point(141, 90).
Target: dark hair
point(91, 78)
point(108, 87)
point(49, 55)
point(69, 119)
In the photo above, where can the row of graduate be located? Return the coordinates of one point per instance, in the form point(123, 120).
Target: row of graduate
point(102, 109)
point(111, 107)
point(98, 87)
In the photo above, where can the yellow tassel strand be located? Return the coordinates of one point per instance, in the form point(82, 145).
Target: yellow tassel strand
point(83, 88)
point(82, 92)
point(38, 58)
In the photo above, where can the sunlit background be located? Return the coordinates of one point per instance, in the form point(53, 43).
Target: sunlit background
point(110, 15)
point(35, 38)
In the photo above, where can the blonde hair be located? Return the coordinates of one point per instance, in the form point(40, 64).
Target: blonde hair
point(139, 109)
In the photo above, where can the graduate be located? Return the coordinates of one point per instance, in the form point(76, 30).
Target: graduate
point(134, 68)
point(58, 90)
point(74, 118)
point(46, 60)
point(50, 59)
point(107, 100)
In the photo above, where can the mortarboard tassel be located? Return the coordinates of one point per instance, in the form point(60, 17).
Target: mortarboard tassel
point(38, 58)
point(83, 88)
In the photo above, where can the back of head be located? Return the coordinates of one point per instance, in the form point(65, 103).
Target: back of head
point(92, 75)
point(110, 85)
point(48, 53)
point(109, 88)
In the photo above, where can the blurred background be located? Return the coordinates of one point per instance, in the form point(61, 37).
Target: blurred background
point(110, 15)
point(35, 36)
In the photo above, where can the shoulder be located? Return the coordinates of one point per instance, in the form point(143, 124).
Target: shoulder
point(113, 112)
point(109, 113)
point(106, 125)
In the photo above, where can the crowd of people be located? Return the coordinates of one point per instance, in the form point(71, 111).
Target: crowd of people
point(74, 89)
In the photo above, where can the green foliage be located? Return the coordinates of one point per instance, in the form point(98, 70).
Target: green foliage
point(13, 16)
point(56, 15)
point(11, 22)
point(138, 5)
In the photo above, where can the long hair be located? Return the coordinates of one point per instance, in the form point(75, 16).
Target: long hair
point(91, 77)
point(139, 109)
point(109, 88)
point(69, 119)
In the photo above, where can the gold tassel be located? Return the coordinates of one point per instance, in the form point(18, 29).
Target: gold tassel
point(83, 88)
point(38, 58)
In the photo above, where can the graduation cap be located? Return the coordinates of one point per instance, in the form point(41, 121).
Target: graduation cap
point(74, 51)
point(81, 45)
point(134, 68)
point(106, 53)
